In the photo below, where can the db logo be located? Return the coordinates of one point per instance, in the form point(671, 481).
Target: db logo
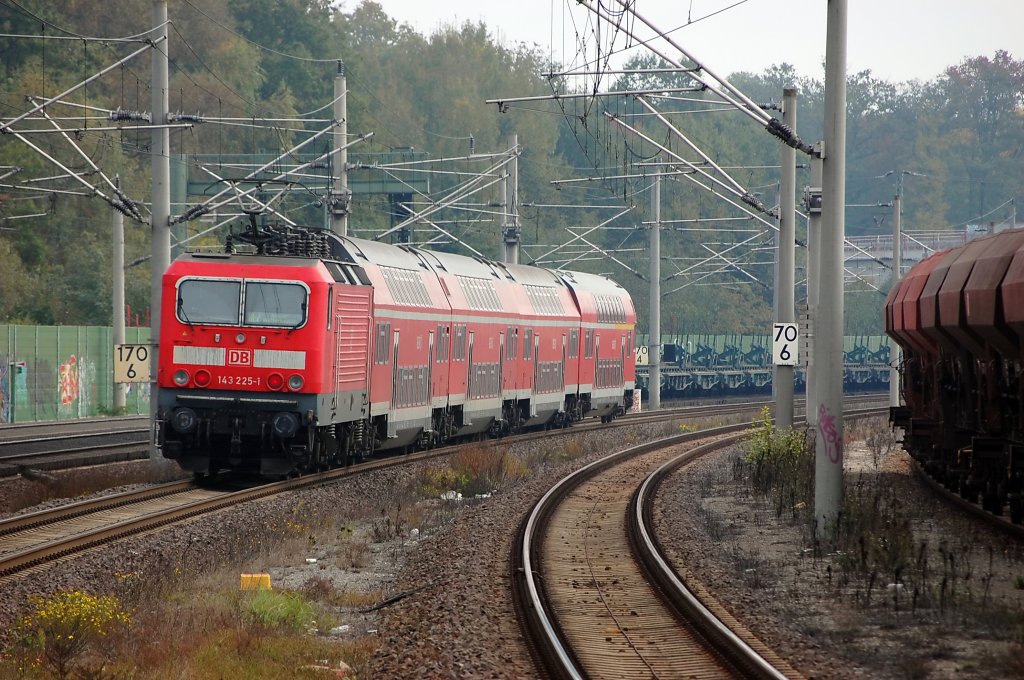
point(240, 357)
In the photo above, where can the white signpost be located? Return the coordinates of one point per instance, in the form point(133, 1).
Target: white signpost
point(785, 344)
point(131, 363)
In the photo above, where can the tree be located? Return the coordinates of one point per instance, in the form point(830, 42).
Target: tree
point(979, 103)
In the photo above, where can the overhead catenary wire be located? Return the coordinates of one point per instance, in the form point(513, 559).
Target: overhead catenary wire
point(138, 37)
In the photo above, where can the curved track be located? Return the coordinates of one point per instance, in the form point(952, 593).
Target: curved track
point(596, 597)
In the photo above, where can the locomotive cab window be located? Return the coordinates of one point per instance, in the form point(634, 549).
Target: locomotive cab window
point(209, 301)
point(225, 302)
point(274, 304)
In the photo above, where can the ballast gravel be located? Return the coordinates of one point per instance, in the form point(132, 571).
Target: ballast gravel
point(439, 571)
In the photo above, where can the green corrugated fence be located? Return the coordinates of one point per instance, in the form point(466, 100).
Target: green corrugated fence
point(63, 372)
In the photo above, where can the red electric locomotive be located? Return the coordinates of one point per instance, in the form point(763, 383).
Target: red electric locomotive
point(298, 349)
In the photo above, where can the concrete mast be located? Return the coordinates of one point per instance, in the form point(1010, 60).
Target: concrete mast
point(895, 354)
point(813, 283)
point(654, 323)
point(340, 200)
point(510, 230)
point(828, 486)
point(160, 155)
point(117, 233)
point(784, 297)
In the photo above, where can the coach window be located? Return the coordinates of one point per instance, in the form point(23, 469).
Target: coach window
point(209, 301)
point(330, 307)
point(275, 304)
point(382, 347)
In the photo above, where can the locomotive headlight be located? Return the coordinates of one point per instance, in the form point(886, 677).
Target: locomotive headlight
point(240, 338)
point(275, 381)
point(202, 378)
point(181, 377)
point(184, 420)
point(285, 425)
point(295, 383)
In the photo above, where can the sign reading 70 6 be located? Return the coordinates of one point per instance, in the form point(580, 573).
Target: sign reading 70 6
point(131, 363)
point(785, 344)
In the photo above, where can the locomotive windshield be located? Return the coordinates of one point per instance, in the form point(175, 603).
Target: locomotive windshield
point(274, 304)
point(209, 301)
point(220, 302)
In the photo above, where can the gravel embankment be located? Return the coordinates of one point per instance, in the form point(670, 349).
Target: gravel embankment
point(455, 619)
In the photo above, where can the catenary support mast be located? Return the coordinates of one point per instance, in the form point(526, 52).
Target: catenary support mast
point(828, 484)
point(654, 341)
point(784, 297)
point(510, 230)
point(895, 353)
point(160, 154)
point(339, 202)
point(117, 265)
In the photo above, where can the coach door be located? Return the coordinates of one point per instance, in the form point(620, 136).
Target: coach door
point(469, 370)
point(392, 428)
point(622, 361)
point(561, 369)
point(430, 380)
point(536, 374)
point(501, 362)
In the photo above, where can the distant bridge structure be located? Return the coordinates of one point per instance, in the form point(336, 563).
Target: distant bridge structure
point(869, 258)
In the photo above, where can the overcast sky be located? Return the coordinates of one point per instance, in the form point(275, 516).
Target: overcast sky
point(896, 39)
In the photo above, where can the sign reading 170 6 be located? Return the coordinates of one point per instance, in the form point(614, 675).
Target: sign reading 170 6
point(131, 363)
point(785, 344)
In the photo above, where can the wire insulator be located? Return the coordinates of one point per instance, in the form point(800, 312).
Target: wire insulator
point(185, 118)
point(120, 115)
point(790, 138)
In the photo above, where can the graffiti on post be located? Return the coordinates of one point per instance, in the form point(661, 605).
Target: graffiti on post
point(827, 425)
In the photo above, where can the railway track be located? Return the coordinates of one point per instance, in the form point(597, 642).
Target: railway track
point(596, 597)
point(67, 444)
point(70, 444)
point(35, 540)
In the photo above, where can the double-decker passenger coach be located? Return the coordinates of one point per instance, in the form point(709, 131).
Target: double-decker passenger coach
point(298, 349)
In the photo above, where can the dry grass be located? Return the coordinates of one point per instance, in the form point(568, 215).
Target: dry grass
point(191, 622)
point(36, 488)
point(206, 628)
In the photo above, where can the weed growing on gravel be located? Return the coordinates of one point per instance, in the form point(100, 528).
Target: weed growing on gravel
point(275, 609)
point(209, 631)
point(473, 471)
point(779, 463)
point(60, 630)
